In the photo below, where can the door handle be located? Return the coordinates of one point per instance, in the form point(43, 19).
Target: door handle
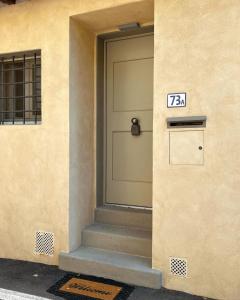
point(135, 128)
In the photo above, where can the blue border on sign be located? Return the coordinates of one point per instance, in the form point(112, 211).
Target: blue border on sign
point(177, 94)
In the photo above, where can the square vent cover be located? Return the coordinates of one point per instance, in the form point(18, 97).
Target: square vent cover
point(178, 266)
point(44, 243)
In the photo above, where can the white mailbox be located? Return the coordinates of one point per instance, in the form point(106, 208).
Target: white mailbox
point(186, 140)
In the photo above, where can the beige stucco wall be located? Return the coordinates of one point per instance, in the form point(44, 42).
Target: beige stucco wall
point(81, 139)
point(196, 208)
point(34, 165)
point(196, 212)
point(37, 162)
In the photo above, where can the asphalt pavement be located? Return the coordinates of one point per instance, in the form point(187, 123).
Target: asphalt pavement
point(34, 279)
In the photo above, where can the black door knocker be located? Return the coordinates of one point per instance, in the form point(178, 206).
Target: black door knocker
point(135, 129)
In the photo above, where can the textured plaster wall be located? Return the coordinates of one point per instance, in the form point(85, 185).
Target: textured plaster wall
point(196, 208)
point(34, 166)
point(81, 116)
point(37, 162)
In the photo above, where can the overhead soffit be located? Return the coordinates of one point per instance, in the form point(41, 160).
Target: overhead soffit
point(101, 20)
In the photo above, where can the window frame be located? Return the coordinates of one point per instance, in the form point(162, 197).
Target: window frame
point(12, 91)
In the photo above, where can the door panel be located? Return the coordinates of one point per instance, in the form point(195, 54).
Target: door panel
point(129, 93)
point(132, 157)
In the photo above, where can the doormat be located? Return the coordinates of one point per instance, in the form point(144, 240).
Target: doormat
point(83, 287)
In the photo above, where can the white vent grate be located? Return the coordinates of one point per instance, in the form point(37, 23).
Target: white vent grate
point(44, 243)
point(178, 266)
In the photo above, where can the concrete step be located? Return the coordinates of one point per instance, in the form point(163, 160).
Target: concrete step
point(124, 216)
point(135, 270)
point(125, 239)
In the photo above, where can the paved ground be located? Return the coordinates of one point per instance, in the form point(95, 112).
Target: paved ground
point(35, 279)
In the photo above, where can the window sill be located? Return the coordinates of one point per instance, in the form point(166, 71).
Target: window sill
point(21, 123)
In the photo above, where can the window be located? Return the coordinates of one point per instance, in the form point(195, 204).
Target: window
point(20, 88)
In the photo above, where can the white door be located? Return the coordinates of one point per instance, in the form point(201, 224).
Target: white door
point(129, 94)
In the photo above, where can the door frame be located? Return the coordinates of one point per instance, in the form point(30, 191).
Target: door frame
point(101, 114)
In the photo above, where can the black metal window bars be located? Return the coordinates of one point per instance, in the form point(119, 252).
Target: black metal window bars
point(20, 88)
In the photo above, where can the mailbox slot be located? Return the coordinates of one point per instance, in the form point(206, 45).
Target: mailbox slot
point(187, 122)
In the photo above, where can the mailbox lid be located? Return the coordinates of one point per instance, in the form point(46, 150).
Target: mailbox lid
point(186, 147)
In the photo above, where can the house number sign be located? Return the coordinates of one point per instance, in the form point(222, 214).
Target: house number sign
point(176, 100)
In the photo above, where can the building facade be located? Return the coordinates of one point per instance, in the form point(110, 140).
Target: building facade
point(126, 136)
